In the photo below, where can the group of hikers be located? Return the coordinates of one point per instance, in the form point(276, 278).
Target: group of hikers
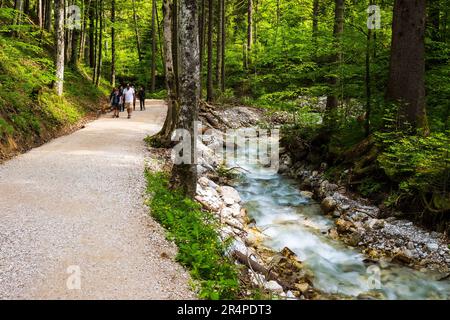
point(124, 97)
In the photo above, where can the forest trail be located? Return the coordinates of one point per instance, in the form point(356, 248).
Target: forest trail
point(75, 206)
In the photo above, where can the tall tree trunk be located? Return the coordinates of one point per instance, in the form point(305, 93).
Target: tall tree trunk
point(158, 23)
point(48, 15)
point(277, 21)
point(100, 44)
point(175, 46)
point(209, 84)
point(153, 71)
point(434, 21)
point(222, 47)
point(83, 30)
point(164, 136)
point(201, 36)
point(75, 46)
point(249, 30)
point(406, 84)
point(94, 71)
point(184, 176)
point(219, 44)
point(68, 33)
point(315, 24)
point(136, 31)
point(59, 44)
point(445, 24)
point(113, 44)
point(368, 88)
point(255, 22)
point(92, 33)
point(40, 13)
point(332, 100)
point(18, 6)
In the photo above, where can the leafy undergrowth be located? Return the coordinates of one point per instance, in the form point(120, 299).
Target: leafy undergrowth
point(30, 111)
point(194, 232)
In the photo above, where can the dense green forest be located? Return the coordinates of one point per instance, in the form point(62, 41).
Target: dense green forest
point(377, 76)
point(362, 87)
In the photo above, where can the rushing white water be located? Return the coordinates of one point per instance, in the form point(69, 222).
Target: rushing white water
point(293, 221)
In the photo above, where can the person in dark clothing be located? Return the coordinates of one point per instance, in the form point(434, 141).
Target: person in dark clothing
point(134, 100)
point(115, 102)
point(122, 102)
point(141, 95)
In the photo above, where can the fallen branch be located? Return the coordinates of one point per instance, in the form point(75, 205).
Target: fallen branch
point(256, 267)
point(234, 168)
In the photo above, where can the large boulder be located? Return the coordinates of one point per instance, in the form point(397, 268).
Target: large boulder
point(328, 205)
point(306, 194)
point(343, 226)
point(273, 286)
point(229, 195)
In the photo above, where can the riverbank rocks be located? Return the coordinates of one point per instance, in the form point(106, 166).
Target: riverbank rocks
point(229, 195)
point(344, 226)
point(360, 224)
point(273, 286)
point(284, 164)
point(307, 194)
point(224, 203)
point(328, 205)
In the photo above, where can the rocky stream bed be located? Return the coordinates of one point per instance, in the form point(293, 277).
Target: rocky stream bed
point(303, 237)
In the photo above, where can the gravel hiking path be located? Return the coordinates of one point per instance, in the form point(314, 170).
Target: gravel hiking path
point(73, 224)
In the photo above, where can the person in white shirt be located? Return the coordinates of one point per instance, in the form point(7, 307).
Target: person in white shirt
point(129, 96)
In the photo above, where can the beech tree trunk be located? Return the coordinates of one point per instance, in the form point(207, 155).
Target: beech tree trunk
point(164, 136)
point(218, 43)
point(406, 84)
point(92, 33)
point(40, 13)
point(94, 71)
point(201, 36)
point(59, 44)
point(184, 176)
point(332, 100)
point(48, 15)
point(68, 34)
point(209, 80)
point(153, 71)
point(26, 6)
point(136, 31)
point(368, 88)
point(18, 5)
point(249, 31)
point(75, 48)
point(85, 11)
point(175, 47)
point(315, 23)
point(113, 44)
point(100, 45)
point(158, 24)
point(222, 47)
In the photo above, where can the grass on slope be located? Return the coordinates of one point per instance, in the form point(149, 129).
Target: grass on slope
point(30, 111)
point(194, 232)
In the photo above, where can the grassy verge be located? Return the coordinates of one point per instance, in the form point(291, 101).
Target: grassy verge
point(30, 111)
point(194, 232)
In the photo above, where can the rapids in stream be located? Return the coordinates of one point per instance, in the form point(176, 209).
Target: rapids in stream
point(291, 220)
